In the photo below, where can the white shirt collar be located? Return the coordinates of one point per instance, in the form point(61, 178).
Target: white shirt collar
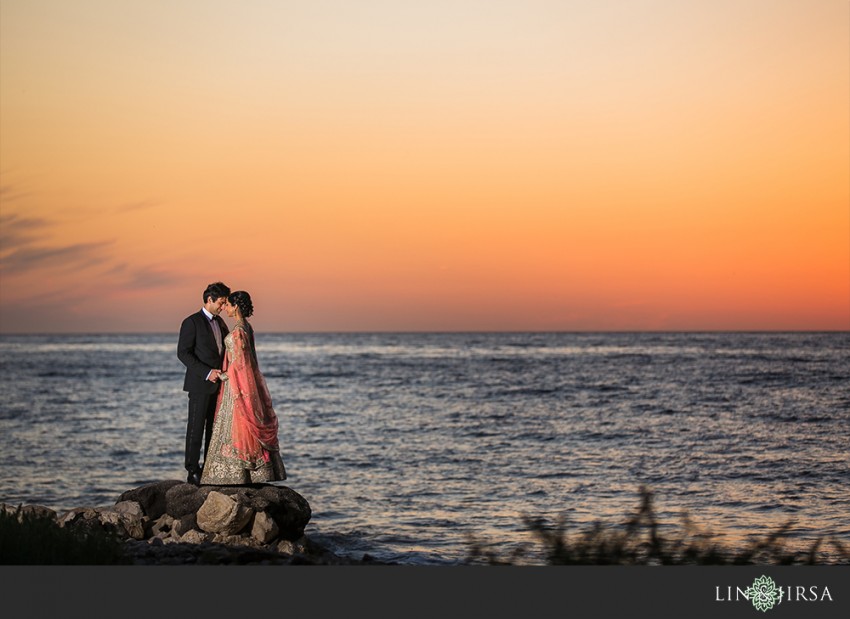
point(206, 313)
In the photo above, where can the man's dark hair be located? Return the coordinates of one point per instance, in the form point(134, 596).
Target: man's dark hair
point(216, 291)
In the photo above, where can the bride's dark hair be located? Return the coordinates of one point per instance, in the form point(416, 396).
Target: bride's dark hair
point(242, 300)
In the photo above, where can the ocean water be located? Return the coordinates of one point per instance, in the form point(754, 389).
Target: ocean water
point(410, 446)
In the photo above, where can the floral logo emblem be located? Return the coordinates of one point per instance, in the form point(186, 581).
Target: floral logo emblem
point(764, 594)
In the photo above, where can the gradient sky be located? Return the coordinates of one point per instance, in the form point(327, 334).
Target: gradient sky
point(440, 165)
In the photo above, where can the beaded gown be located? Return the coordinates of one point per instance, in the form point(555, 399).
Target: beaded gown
point(244, 446)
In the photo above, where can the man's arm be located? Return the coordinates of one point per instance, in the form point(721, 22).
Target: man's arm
point(186, 351)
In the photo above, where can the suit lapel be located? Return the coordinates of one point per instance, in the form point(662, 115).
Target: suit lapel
point(208, 330)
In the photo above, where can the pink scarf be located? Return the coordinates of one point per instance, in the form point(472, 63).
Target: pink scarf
point(255, 424)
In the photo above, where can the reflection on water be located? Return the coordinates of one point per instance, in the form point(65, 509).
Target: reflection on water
point(409, 445)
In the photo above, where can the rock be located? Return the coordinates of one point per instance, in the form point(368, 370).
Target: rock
point(109, 519)
point(29, 511)
point(223, 514)
point(290, 510)
point(184, 499)
point(105, 519)
point(162, 527)
point(123, 525)
point(185, 524)
point(131, 520)
point(246, 495)
point(195, 537)
point(130, 508)
point(174, 523)
point(236, 540)
point(134, 528)
point(299, 546)
point(38, 511)
point(264, 529)
point(286, 547)
point(86, 518)
point(151, 497)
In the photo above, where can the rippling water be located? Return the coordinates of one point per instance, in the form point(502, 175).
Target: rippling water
point(407, 444)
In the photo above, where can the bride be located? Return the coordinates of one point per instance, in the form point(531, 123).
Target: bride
point(244, 446)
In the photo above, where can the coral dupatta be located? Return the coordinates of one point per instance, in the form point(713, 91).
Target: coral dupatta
point(255, 424)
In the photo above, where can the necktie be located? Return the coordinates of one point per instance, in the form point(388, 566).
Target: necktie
point(216, 332)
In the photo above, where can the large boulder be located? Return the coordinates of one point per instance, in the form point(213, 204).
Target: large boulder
point(184, 499)
point(151, 497)
point(290, 510)
point(223, 514)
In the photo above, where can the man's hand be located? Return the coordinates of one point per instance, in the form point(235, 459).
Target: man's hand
point(214, 374)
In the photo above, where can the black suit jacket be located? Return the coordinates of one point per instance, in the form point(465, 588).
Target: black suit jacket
point(197, 350)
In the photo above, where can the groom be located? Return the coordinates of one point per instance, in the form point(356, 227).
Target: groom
point(200, 348)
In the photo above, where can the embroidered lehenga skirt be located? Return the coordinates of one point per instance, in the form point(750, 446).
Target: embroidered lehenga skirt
point(244, 446)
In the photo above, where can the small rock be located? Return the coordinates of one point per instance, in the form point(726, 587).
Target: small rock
point(194, 537)
point(229, 540)
point(162, 526)
point(286, 547)
point(130, 508)
point(265, 529)
point(185, 524)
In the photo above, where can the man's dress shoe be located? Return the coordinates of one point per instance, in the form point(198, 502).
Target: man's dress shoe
point(194, 478)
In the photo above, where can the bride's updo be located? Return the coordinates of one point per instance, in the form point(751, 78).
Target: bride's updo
point(242, 300)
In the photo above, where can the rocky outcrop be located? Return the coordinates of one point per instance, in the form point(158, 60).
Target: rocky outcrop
point(173, 509)
point(171, 522)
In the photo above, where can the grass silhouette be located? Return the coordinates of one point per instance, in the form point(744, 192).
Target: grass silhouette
point(640, 541)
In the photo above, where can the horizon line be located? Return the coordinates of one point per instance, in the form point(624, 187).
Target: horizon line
point(456, 332)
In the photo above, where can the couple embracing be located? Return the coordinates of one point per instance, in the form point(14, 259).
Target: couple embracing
point(230, 408)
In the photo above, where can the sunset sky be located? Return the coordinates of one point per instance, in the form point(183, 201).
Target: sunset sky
point(447, 165)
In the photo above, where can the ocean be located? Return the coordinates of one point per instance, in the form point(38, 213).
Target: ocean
point(415, 447)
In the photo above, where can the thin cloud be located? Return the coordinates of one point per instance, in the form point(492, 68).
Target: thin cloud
point(118, 269)
point(125, 275)
point(16, 231)
point(150, 278)
point(66, 294)
point(80, 255)
point(8, 193)
point(137, 206)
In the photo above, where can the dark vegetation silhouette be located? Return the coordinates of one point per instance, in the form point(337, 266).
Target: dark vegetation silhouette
point(36, 539)
point(640, 541)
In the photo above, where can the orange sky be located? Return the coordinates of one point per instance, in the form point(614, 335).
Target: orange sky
point(441, 165)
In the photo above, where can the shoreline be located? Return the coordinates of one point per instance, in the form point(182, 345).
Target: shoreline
point(175, 523)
